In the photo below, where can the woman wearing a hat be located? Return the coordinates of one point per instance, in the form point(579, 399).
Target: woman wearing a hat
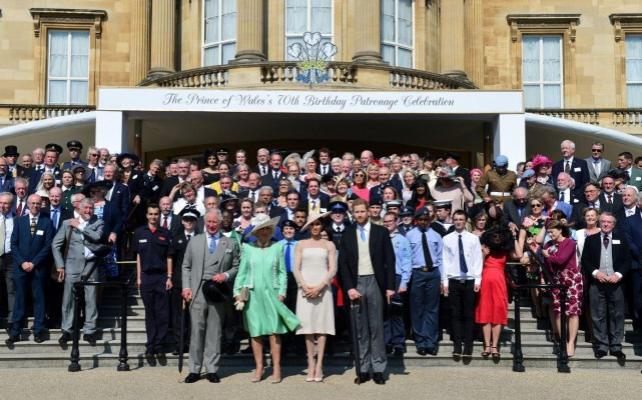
point(259, 289)
point(543, 167)
point(315, 264)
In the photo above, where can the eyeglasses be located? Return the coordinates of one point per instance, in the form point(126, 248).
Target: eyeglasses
point(359, 175)
point(536, 205)
point(596, 150)
point(93, 155)
point(405, 161)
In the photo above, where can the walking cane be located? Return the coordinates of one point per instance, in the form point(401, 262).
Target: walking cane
point(181, 341)
point(354, 309)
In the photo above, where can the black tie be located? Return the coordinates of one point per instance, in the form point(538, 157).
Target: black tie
point(610, 198)
point(462, 258)
point(605, 241)
point(424, 245)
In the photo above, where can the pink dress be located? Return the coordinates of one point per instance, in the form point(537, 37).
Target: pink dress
point(564, 270)
point(362, 193)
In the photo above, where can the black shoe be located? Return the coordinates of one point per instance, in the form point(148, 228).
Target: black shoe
point(38, 338)
point(468, 350)
point(11, 340)
point(213, 378)
point(599, 353)
point(66, 337)
point(362, 378)
point(89, 338)
point(457, 350)
point(162, 360)
point(149, 356)
point(192, 377)
point(378, 378)
point(421, 351)
point(432, 351)
point(398, 351)
point(621, 357)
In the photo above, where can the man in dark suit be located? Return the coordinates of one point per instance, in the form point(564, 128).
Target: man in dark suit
point(75, 148)
point(605, 260)
point(575, 167)
point(274, 174)
point(170, 182)
point(6, 180)
point(19, 207)
point(452, 160)
point(516, 210)
point(315, 201)
point(610, 196)
point(117, 192)
point(7, 290)
point(262, 162)
point(11, 157)
point(633, 232)
point(50, 165)
point(376, 192)
point(324, 168)
point(266, 194)
point(30, 246)
point(252, 190)
point(367, 272)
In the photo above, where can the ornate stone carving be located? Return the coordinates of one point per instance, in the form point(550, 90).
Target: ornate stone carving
point(623, 23)
point(67, 16)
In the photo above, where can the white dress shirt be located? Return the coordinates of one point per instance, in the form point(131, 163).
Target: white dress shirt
point(8, 230)
point(472, 253)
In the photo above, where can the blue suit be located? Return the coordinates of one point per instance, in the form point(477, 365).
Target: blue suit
point(566, 208)
point(633, 232)
point(34, 249)
point(70, 164)
point(6, 184)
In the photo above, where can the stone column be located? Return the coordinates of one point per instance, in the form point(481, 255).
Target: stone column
point(163, 36)
point(249, 28)
point(366, 25)
point(509, 138)
point(139, 54)
point(475, 41)
point(452, 37)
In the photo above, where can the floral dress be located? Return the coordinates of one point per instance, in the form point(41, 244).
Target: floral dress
point(562, 264)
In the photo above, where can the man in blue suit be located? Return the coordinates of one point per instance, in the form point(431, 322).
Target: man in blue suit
point(6, 180)
point(575, 167)
point(51, 165)
point(633, 231)
point(30, 246)
point(75, 148)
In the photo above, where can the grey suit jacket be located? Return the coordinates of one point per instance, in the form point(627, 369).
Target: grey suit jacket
point(226, 259)
point(89, 237)
point(605, 167)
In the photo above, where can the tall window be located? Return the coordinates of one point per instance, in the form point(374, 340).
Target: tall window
point(307, 16)
point(68, 67)
point(542, 71)
point(634, 71)
point(219, 38)
point(396, 32)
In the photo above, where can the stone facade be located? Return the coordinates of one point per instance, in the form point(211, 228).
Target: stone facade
point(135, 40)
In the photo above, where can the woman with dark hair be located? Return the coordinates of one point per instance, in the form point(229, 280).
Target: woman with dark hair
point(314, 267)
point(420, 194)
point(68, 186)
point(561, 262)
point(359, 180)
point(479, 224)
point(492, 307)
point(210, 170)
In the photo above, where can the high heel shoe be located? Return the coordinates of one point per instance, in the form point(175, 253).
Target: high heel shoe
point(495, 354)
point(486, 353)
point(257, 378)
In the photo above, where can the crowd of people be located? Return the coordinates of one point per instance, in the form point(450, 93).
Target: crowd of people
point(293, 247)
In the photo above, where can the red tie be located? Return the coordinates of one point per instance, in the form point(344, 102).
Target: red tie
point(164, 222)
point(19, 210)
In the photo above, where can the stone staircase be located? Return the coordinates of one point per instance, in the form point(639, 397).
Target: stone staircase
point(537, 351)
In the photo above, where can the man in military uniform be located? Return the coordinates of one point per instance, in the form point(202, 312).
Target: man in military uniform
point(443, 223)
point(154, 274)
point(500, 181)
point(75, 148)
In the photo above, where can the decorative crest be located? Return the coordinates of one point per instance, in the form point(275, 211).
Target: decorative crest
point(313, 56)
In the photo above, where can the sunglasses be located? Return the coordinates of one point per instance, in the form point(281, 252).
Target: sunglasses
point(596, 150)
point(535, 205)
point(359, 175)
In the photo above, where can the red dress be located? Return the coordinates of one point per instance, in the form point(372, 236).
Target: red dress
point(492, 307)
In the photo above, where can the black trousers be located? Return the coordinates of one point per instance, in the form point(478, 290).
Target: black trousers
point(607, 311)
point(156, 301)
point(461, 295)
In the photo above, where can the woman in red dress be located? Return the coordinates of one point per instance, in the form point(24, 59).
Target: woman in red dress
point(492, 308)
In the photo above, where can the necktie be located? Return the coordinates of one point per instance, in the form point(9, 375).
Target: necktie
point(288, 255)
point(251, 196)
point(32, 227)
point(561, 196)
point(164, 225)
point(596, 167)
point(54, 217)
point(212, 245)
point(274, 174)
point(3, 228)
point(567, 167)
point(609, 198)
point(426, 249)
point(263, 171)
point(188, 236)
point(462, 258)
point(19, 209)
point(605, 241)
point(314, 205)
point(362, 233)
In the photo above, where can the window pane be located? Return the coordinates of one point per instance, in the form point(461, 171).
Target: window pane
point(57, 92)
point(296, 16)
point(79, 92)
point(634, 95)
point(552, 96)
point(80, 54)
point(530, 58)
point(211, 8)
point(229, 51)
point(405, 22)
point(58, 42)
point(531, 96)
point(388, 54)
point(388, 20)
point(228, 30)
point(634, 58)
point(321, 16)
point(405, 58)
point(210, 56)
point(552, 63)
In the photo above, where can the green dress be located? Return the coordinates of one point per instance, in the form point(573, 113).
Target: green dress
point(262, 271)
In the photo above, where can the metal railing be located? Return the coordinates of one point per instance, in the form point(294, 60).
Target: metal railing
point(78, 288)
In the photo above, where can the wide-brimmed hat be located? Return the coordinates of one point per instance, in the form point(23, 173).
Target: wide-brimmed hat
point(312, 218)
point(121, 157)
point(263, 221)
point(216, 292)
point(540, 160)
point(445, 173)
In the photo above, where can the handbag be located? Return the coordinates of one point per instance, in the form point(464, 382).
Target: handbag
point(243, 297)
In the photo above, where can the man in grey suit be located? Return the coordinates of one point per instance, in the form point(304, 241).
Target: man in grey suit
point(598, 167)
point(209, 256)
point(73, 250)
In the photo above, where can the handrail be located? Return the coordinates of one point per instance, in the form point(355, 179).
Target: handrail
point(123, 356)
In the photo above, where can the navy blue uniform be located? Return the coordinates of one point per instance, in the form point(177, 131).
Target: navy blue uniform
point(154, 248)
